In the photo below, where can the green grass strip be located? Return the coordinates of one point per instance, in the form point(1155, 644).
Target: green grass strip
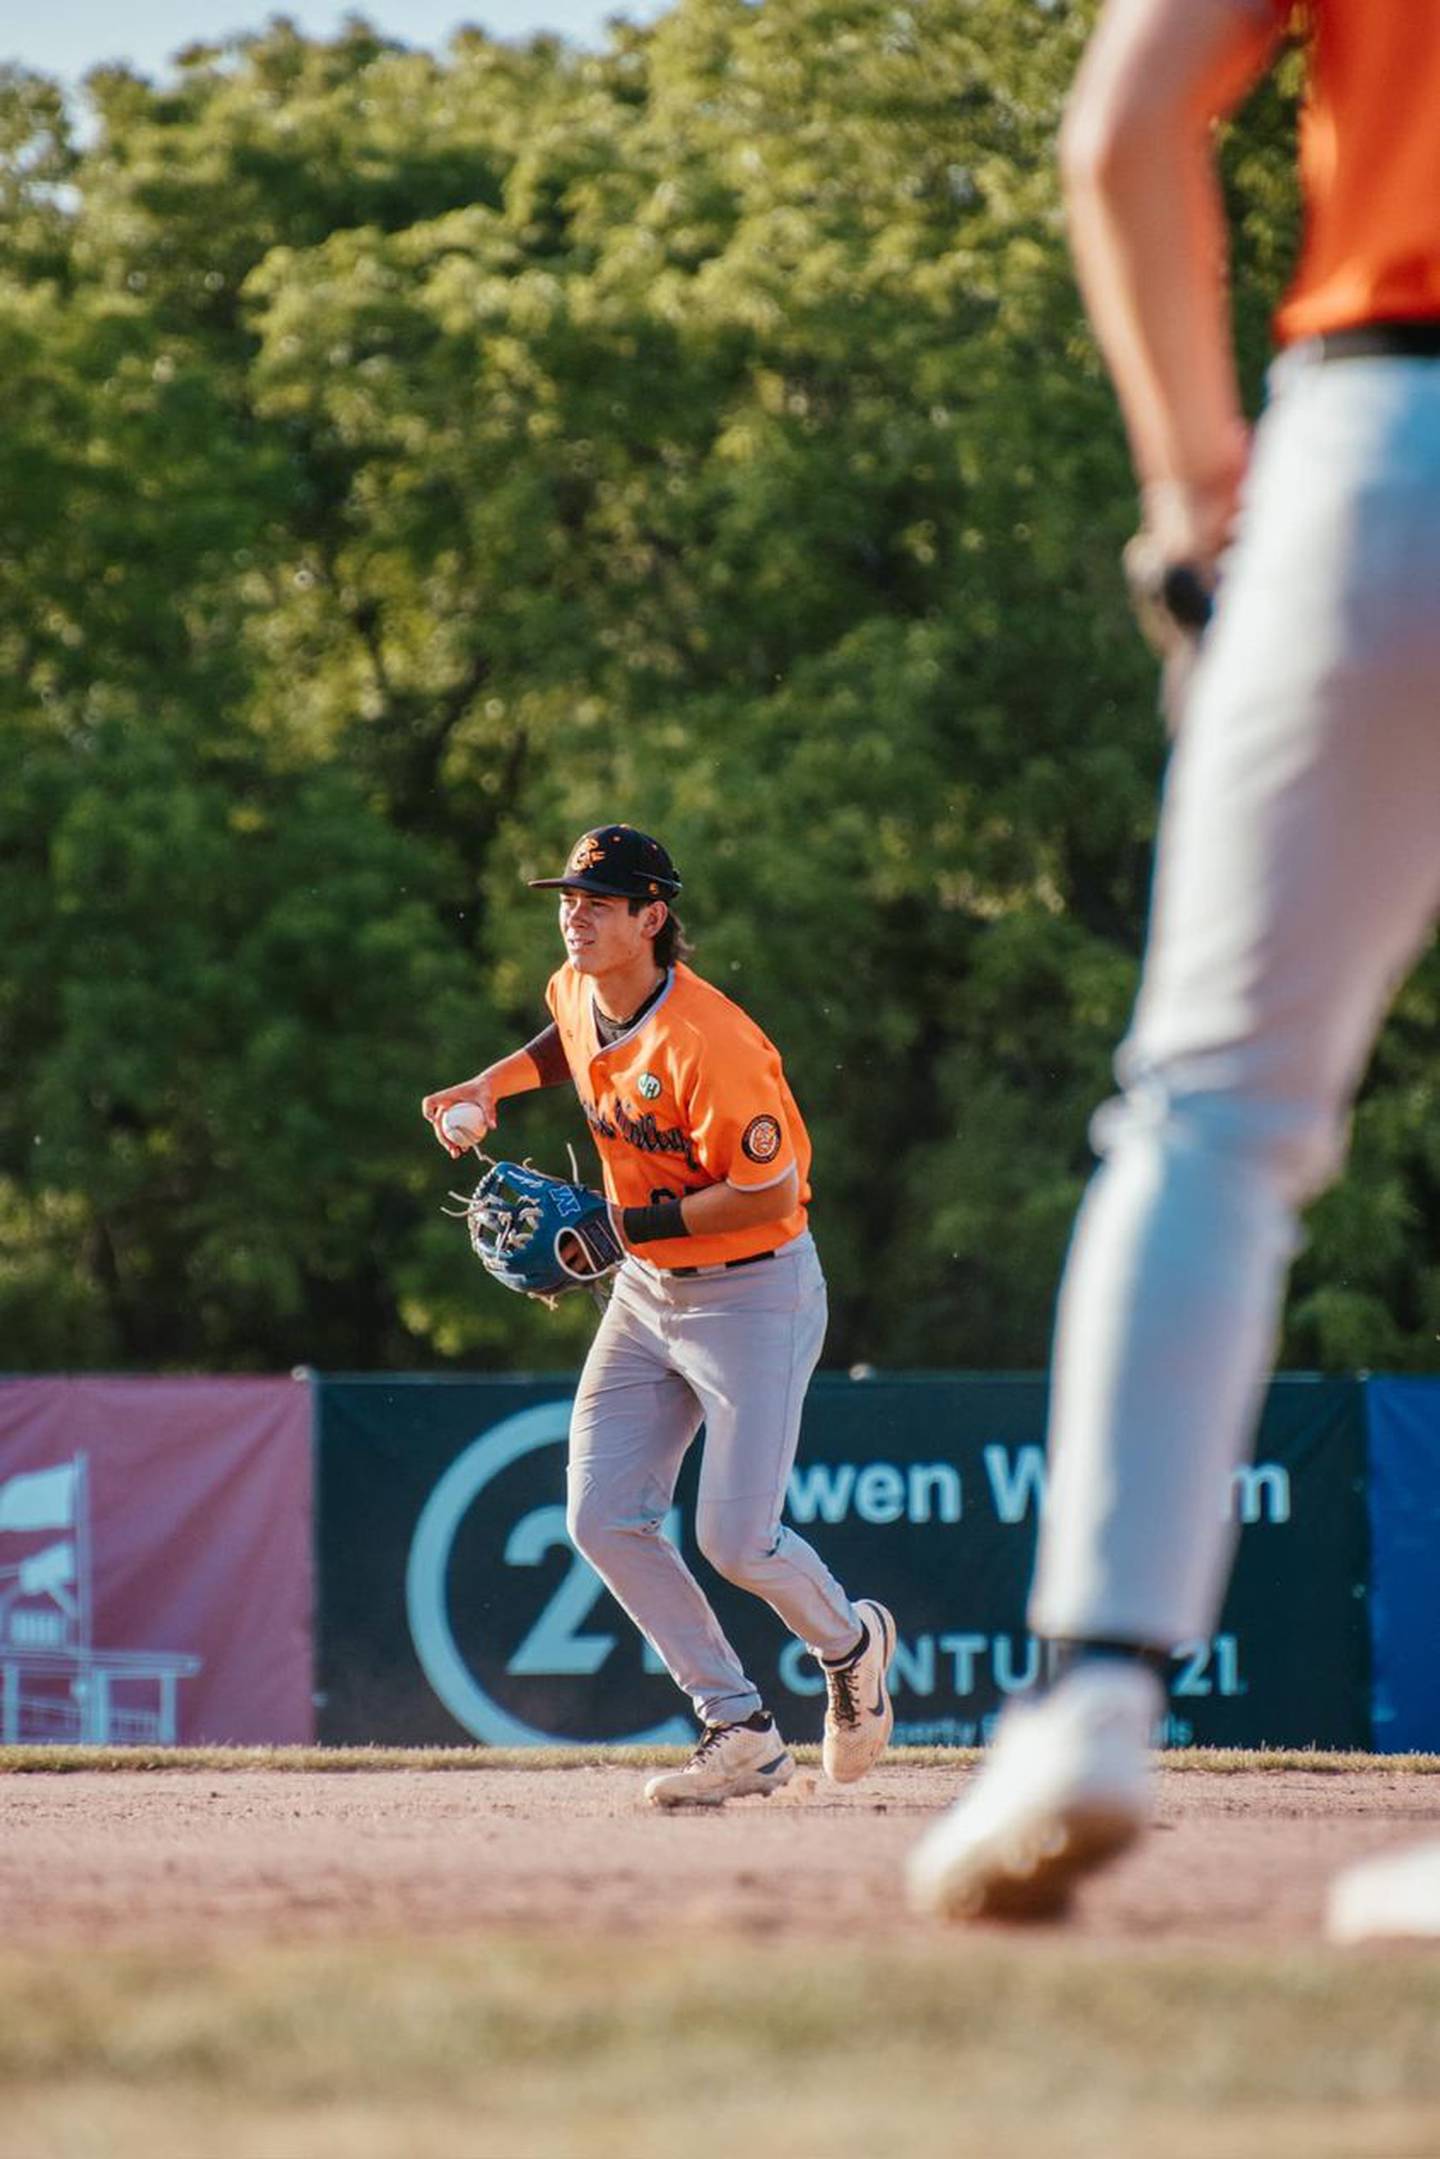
point(348, 1761)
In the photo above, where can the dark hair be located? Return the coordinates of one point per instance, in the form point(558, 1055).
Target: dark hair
point(671, 943)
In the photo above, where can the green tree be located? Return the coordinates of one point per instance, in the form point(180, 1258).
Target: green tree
point(413, 459)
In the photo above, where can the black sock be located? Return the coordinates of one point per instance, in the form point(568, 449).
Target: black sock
point(759, 1722)
point(851, 1656)
point(1068, 1655)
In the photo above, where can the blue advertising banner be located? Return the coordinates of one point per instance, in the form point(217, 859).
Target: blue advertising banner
point(1404, 1489)
point(453, 1607)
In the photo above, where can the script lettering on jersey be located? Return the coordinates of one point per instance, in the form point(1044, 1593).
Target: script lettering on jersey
point(643, 1132)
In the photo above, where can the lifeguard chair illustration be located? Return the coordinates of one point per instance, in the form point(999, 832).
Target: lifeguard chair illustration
point(55, 1685)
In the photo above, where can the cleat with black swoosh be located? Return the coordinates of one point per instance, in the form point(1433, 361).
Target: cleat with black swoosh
point(732, 1761)
point(858, 1713)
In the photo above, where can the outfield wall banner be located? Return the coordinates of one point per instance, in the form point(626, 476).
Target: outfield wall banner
point(1404, 1489)
point(453, 1607)
point(155, 1561)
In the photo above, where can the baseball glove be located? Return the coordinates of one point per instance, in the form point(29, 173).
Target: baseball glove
point(540, 1235)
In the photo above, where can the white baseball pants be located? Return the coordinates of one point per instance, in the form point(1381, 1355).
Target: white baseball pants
point(735, 1350)
point(1298, 876)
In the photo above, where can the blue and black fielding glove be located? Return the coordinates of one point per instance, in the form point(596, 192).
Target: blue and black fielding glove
point(540, 1235)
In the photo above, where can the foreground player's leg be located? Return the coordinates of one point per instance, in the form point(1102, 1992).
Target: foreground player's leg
point(1165, 1331)
point(1298, 874)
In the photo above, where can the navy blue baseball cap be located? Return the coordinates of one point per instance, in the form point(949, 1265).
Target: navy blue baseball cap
point(618, 863)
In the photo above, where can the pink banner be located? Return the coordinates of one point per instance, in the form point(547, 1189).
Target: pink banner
point(155, 1561)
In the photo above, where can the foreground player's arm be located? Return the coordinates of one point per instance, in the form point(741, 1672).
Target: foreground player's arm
point(711, 1210)
point(541, 1063)
point(1148, 234)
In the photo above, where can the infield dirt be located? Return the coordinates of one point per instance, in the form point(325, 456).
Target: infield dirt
point(1237, 1859)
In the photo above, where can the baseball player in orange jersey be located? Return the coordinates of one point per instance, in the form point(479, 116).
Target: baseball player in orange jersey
point(717, 1316)
point(1298, 868)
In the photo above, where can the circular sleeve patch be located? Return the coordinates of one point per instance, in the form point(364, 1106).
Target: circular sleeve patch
point(760, 1140)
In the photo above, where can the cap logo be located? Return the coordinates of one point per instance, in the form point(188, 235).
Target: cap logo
point(761, 1139)
point(587, 853)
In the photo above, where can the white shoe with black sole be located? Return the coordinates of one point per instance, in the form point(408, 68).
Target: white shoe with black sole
point(732, 1761)
point(1064, 1789)
point(859, 1717)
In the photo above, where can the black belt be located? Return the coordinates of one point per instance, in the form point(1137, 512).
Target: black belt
point(1382, 341)
point(723, 1266)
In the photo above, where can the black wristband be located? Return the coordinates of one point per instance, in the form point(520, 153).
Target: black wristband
point(647, 1225)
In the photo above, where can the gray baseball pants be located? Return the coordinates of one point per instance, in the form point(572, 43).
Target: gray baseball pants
point(735, 1350)
point(1298, 876)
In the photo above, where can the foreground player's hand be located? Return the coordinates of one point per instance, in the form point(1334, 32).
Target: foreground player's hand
point(1171, 565)
point(1172, 597)
point(1172, 569)
point(1172, 602)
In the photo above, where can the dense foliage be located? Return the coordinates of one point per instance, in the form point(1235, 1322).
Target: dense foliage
point(409, 461)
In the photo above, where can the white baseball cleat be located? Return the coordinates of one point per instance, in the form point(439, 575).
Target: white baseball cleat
point(1063, 1790)
point(1393, 1897)
point(732, 1761)
point(858, 1714)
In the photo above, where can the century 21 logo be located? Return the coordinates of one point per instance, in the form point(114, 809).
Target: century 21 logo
point(556, 1645)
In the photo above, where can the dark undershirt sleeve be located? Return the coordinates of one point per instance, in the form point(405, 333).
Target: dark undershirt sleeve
point(549, 1057)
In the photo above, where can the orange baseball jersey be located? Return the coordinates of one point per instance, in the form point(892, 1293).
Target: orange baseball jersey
point(1369, 166)
point(694, 1095)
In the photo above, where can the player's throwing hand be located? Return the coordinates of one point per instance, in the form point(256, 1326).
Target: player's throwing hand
point(461, 1117)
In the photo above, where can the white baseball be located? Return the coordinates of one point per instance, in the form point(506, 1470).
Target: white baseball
point(463, 1124)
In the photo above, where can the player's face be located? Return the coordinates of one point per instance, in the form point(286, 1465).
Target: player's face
point(601, 935)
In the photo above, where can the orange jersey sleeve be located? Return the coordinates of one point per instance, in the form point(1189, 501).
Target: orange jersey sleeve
point(695, 1095)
